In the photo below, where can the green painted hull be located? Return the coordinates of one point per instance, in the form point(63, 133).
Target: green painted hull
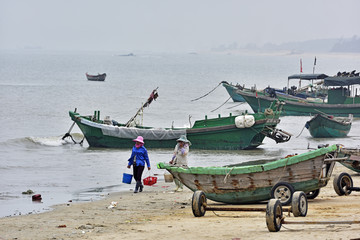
point(252, 183)
point(352, 165)
point(232, 92)
point(321, 126)
point(300, 107)
point(217, 133)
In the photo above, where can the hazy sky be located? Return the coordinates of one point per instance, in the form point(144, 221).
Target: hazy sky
point(169, 25)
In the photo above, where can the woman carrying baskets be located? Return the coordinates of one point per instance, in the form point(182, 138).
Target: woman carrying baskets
point(138, 158)
point(179, 157)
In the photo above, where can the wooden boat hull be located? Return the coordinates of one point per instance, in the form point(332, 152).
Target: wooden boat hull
point(300, 107)
point(218, 133)
point(321, 126)
point(353, 159)
point(253, 183)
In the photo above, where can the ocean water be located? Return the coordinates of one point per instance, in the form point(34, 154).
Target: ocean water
point(38, 88)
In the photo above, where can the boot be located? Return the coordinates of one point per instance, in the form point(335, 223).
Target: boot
point(136, 187)
point(141, 187)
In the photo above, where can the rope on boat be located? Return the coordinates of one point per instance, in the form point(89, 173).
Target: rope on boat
point(236, 105)
point(206, 93)
point(282, 174)
point(221, 105)
point(227, 175)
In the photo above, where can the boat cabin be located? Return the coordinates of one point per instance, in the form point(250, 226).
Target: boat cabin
point(318, 90)
point(343, 89)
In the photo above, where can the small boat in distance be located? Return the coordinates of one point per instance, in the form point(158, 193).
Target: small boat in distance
point(328, 126)
point(99, 77)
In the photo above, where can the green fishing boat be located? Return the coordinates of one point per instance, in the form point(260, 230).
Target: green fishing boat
point(326, 126)
point(245, 131)
point(300, 92)
point(342, 99)
point(254, 182)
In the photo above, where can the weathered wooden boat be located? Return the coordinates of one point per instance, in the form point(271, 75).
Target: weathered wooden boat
point(343, 183)
point(245, 131)
point(99, 77)
point(250, 183)
point(351, 158)
point(341, 101)
point(328, 126)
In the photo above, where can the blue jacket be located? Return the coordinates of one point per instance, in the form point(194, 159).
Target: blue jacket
point(141, 157)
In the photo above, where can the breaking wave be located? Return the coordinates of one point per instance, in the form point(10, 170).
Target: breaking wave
point(55, 141)
point(51, 141)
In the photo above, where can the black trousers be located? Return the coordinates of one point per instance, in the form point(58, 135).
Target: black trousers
point(138, 170)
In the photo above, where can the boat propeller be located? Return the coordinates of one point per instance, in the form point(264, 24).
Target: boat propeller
point(279, 135)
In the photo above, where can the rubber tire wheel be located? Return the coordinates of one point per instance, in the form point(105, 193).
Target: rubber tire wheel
point(299, 204)
point(199, 203)
point(341, 182)
point(282, 191)
point(313, 194)
point(274, 215)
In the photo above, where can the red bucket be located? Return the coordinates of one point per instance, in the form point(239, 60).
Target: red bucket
point(150, 180)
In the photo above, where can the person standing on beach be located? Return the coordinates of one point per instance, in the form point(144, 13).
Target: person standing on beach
point(179, 157)
point(138, 158)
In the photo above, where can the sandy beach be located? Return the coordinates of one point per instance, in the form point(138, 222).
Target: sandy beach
point(160, 213)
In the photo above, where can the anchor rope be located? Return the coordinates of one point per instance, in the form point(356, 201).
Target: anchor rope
point(221, 105)
point(206, 93)
point(300, 132)
point(236, 105)
point(69, 135)
point(226, 215)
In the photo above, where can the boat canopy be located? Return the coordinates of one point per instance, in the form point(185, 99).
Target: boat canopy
point(341, 81)
point(308, 76)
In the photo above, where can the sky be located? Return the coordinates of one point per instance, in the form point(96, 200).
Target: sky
point(169, 25)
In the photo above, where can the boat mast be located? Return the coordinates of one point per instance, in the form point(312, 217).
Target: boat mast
point(153, 96)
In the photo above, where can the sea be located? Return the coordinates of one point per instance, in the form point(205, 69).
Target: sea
point(38, 88)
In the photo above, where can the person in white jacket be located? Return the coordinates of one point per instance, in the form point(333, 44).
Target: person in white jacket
point(179, 157)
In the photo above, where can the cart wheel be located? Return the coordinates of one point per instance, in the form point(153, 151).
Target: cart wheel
point(274, 215)
point(299, 204)
point(341, 184)
point(313, 194)
point(282, 191)
point(199, 203)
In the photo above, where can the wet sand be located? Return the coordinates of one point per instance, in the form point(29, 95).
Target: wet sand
point(159, 213)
